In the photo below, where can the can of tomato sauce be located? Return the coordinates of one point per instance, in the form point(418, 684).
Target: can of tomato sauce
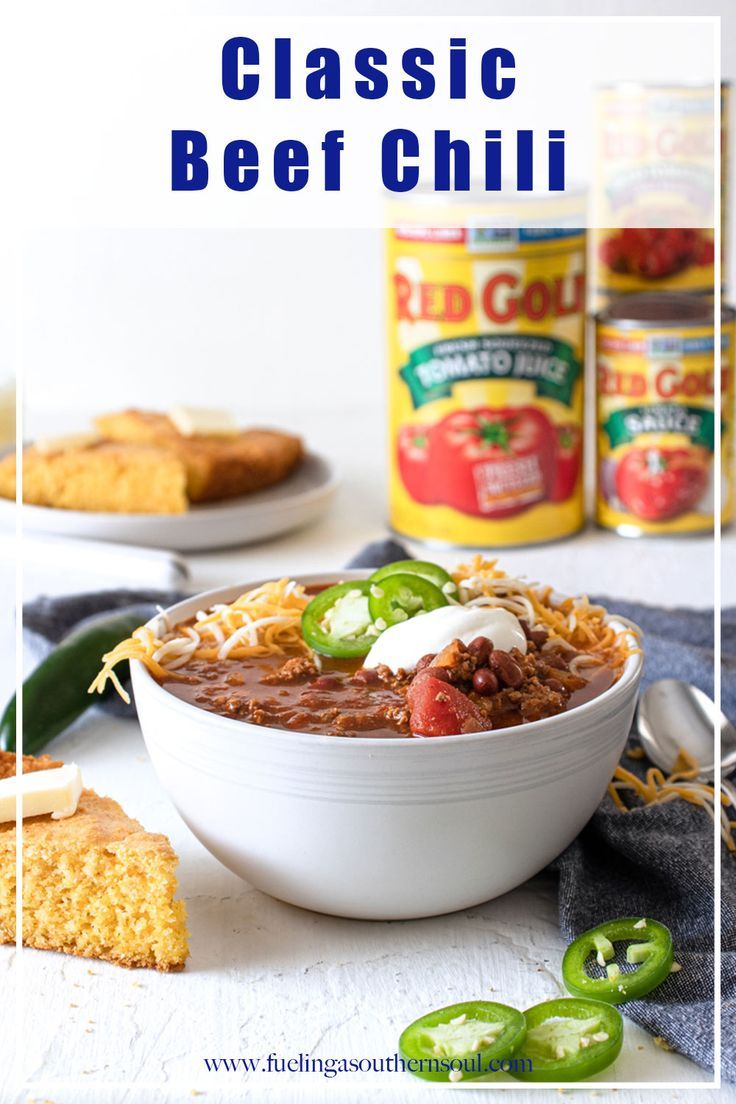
point(655, 163)
point(657, 370)
point(486, 329)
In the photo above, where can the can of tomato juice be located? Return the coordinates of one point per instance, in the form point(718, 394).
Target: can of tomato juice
point(654, 166)
point(486, 333)
point(656, 376)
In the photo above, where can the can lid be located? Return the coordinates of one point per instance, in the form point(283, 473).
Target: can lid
point(477, 209)
point(635, 86)
point(662, 308)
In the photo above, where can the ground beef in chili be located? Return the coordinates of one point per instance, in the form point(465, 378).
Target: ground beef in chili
point(340, 698)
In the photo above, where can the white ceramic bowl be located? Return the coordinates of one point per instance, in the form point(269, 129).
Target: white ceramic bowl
point(382, 829)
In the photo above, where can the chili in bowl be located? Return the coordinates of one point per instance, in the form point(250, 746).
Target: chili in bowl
point(391, 746)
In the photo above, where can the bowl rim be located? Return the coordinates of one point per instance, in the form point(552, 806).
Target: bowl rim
point(548, 725)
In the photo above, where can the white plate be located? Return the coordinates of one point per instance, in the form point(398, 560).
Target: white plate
point(301, 498)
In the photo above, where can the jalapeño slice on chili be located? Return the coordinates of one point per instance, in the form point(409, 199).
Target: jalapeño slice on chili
point(431, 571)
point(568, 1039)
point(461, 1039)
point(399, 597)
point(652, 955)
point(337, 622)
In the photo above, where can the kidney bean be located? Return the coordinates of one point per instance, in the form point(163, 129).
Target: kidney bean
point(485, 682)
point(536, 636)
point(555, 684)
point(440, 673)
point(507, 669)
point(555, 661)
point(366, 675)
point(481, 648)
point(425, 661)
point(326, 682)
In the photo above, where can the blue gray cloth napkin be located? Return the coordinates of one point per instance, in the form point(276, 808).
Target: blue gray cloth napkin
point(655, 861)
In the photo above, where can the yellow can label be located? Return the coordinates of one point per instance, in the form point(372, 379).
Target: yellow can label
point(635, 259)
point(655, 161)
point(486, 352)
point(656, 427)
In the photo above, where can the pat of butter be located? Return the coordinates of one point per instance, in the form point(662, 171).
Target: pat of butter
point(56, 791)
point(47, 445)
point(195, 421)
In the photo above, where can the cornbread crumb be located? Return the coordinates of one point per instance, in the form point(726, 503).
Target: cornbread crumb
point(661, 1042)
point(94, 884)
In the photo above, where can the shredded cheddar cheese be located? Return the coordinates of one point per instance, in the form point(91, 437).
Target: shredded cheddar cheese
point(263, 621)
point(267, 621)
point(681, 784)
point(570, 622)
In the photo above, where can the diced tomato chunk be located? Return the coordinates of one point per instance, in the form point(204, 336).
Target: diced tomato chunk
point(439, 709)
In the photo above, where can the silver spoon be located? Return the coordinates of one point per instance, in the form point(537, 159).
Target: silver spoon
point(673, 715)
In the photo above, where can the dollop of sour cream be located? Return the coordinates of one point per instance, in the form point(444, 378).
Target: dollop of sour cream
point(401, 646)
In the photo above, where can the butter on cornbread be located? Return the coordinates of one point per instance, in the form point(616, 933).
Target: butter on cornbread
point(95, 884)
point(219, 465)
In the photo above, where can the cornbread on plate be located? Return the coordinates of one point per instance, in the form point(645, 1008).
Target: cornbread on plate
point(105, 476)
point(95, 884)
point(217, 466)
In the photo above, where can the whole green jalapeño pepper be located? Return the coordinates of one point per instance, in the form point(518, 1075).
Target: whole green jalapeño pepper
point(398, 597)
point(56, 693)
point(337, 622)
point(651, 953)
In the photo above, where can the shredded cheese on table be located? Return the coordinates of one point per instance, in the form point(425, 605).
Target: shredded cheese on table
point(264, 621)
point(682, 783)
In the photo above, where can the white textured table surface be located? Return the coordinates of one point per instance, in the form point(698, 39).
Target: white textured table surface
point(264, 976)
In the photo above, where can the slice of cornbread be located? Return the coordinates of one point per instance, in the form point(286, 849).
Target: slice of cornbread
point(110, 477)
point(95, 884)
point(217, 467)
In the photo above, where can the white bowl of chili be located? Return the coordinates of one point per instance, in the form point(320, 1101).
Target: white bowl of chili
point(382, 829)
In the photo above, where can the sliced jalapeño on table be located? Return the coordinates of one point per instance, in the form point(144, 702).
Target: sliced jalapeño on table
point(568, 1039)
point(649, 952)
point(458, 1043)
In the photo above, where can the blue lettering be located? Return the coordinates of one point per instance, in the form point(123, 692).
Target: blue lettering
point(493, 84)
point(394, 178)
point(375, 86)
point(458, 69)
point(237, 53)
point(189, 171)
point(290, 166)
point(524, 160)
point(333, 146)
point(240, 166)
point(324, 82)
point(445, 152)
point(413, 62)
point(282, 68)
